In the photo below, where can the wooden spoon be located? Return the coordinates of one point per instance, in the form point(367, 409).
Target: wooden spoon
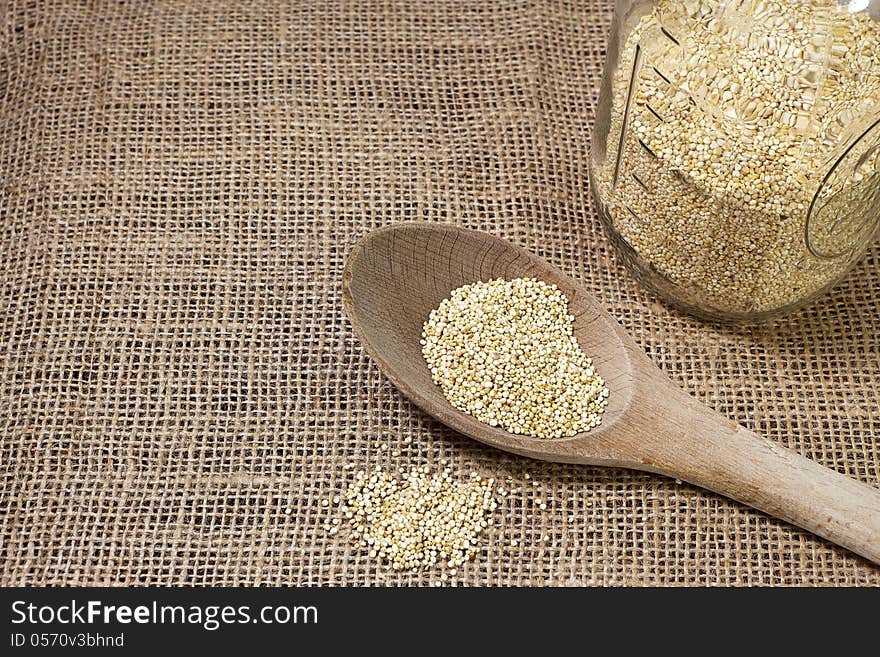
point(396, 275)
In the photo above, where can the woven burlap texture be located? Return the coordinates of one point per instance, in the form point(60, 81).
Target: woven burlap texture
point(179, 387)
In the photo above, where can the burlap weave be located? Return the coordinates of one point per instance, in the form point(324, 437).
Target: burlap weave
point(179, 387)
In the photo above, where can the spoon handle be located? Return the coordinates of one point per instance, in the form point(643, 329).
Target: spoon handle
point(700, 446)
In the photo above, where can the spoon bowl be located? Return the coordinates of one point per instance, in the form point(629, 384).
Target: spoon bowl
point(397, 275)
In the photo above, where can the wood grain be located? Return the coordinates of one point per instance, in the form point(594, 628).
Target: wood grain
point(396, 275)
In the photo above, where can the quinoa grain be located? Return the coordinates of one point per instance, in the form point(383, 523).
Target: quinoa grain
point(421, 520)
point(505, 353)
point(733, 128)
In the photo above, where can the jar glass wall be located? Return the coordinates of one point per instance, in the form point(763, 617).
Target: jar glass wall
point(736, 151)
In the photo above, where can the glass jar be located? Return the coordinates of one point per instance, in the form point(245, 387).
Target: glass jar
point(736, 151)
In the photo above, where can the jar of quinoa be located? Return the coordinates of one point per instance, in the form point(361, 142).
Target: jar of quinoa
point(736, 151)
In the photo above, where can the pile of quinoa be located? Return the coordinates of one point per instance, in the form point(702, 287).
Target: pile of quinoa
point(739, 112)
point(421, 520)
point(431, 521)
point(505, 353)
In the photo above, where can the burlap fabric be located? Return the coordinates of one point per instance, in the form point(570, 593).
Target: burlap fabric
point(179, 387)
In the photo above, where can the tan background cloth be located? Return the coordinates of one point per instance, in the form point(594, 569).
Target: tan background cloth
point(179, 387)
